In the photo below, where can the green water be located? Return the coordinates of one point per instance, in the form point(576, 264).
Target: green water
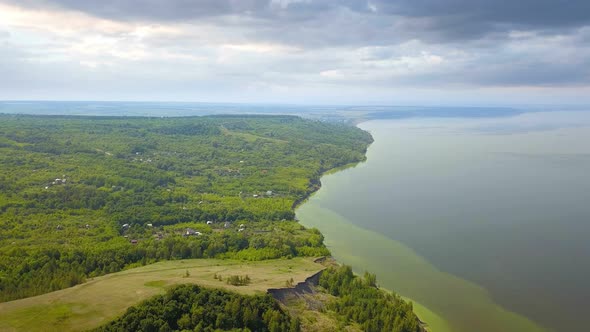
point(483, 221)
point(451, 301)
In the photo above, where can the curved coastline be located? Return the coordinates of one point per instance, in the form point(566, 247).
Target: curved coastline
point(433, 321)
point(436, 295)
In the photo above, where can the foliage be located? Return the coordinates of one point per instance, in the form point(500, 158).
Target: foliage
point(238, 280)
point(189, 307)
point(359, 300)
point(75, 192)
point(106, 298)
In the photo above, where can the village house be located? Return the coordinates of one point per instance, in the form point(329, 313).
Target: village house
point(191, 232)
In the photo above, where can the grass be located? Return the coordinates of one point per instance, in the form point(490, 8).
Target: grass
point(249, 137)
point(101, 299)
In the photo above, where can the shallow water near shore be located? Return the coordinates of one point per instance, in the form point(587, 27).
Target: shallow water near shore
point(483, 221)
point(446, 303)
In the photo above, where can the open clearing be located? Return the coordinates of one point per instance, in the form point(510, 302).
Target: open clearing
point(101, 299)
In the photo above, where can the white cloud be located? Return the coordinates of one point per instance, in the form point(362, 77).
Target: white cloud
point(241, 56)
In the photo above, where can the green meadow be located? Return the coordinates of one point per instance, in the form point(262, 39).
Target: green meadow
point(102, 299)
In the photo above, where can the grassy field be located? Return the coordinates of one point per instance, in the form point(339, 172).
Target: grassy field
point(101, 299)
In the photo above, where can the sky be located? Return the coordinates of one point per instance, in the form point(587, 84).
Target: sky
point(406, 52)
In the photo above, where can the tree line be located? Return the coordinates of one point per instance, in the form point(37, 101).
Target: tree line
point(359, 300)
point(192, 308)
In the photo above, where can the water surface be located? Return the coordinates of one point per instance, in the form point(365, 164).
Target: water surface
point(496, 211)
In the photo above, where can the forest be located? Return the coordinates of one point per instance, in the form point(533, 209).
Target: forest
point(355, 301)
point(85, 196)
point(359, 300)
point(192, 308)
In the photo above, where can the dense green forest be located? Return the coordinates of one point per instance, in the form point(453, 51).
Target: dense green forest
point(359, 300)
point(85, 196)
point(192, 308)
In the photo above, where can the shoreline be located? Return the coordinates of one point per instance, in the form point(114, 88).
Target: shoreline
point(420, 310)
point(316, 183)
point(475, 303)
point(426, 315)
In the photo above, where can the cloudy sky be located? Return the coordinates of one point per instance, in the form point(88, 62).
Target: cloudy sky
point(297, 51)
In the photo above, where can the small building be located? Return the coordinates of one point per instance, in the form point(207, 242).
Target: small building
point(209, 222)
point(125, 226)
point(269, 193)
point(255, 196)
point(191, 232)
point(133, 241)
point(150, 225)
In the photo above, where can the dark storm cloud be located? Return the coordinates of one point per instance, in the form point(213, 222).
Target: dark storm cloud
point(537, 13)
point(254, 44)
point(471, 19)
point(156, 10)
point(431, 20)
point(180, 10)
